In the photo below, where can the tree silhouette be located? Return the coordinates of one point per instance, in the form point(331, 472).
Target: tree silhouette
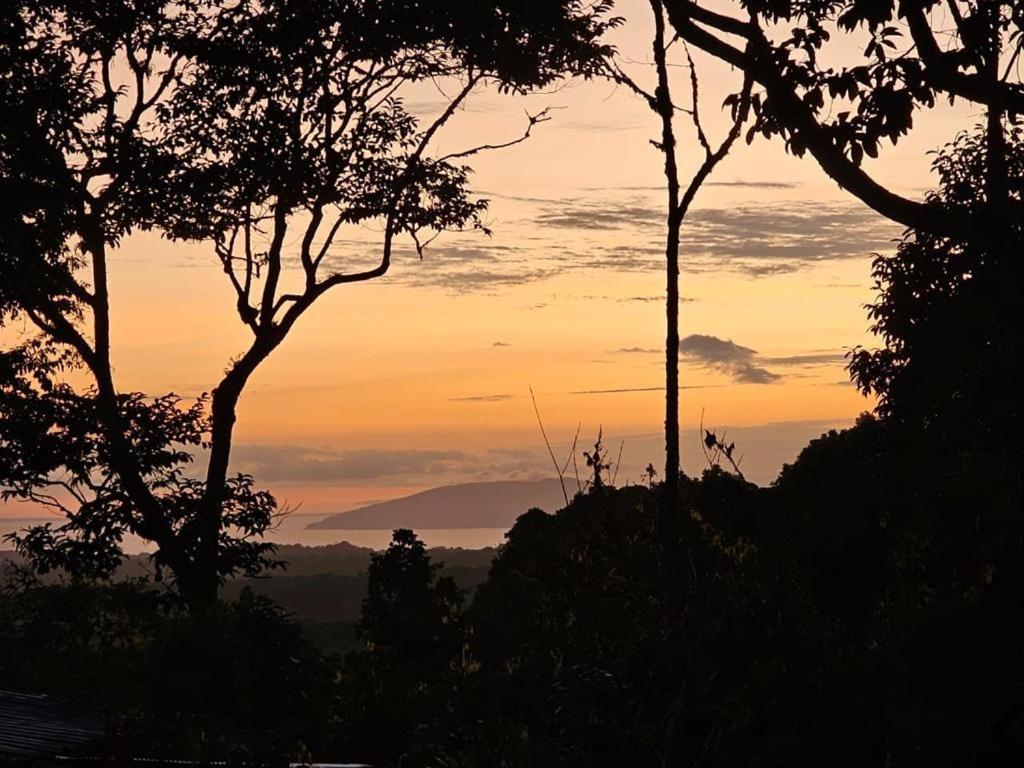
point(946, 314)
point(261, 128)
point(411, 638)
point(680, 198)
point(919, 52)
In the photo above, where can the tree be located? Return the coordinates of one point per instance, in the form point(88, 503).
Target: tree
point(238, 682)
point(920, 51)
point(948, 328)
point(679, 201)
point(250, 126)
point(411, 636)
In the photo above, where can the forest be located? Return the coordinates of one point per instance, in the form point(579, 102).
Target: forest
point(866, 608)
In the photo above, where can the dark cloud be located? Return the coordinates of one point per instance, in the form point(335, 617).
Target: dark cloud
point(317, 465)
point(501, 344)
point(289, 463)
point(807, 360)
point(754, 184)
point(617, 391)
point(652, 299)
point(759, 240)
point(436, 106)
point(620, 390)
point(765, 447)
point(480, 399)
point(743, 364)
point(589, 215)
point(726, 356)
point(555, 237)
point(599, 127)
point(461, 267)
point(711, 349)
point(748, 373)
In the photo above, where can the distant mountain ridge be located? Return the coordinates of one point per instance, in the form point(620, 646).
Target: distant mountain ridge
point(467, 505)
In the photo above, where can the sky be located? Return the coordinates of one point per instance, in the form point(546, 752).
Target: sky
point(423, 377)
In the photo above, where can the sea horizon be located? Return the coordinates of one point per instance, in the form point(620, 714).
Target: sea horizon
point(292, 531)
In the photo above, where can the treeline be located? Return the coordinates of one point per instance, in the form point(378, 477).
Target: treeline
point(323, 587)
point(862, 610)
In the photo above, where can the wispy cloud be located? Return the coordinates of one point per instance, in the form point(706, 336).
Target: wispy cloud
point(754, 184)
point(807, 360)
point(480, 399)
point(743, 364)
point(620, 390)
point(728, 357)
point(553, 237)
point(291, 463)
point(306, 465)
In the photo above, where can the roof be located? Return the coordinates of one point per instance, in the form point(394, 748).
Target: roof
point(34, 725)
point(39, 726)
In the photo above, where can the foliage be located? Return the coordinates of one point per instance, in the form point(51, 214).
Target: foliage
point(947, 311)
point(260, 128)
point(912, 552)
point(238, 682)
point(840, 106)
point(401, 677)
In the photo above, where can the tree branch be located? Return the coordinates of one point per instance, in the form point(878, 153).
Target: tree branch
point(758, 62)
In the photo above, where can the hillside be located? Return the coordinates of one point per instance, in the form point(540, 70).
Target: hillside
point(323, 586)
point(469, 505)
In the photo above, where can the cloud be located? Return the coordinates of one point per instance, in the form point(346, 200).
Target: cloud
point(585, 214)
point(553, 237)
point(766, 448)
point(759, 240)
point(621, 390)
point(754, 184)
point(290, 463)
point(726, 356)
point(711, 349)
point(730, 183)
point(617, 391)
point(807, 360)
point(743, 364)
point(501, 344)
point(652, 299)
point(435, 106)
point(305, 465)
point(748, 373)
point(480, 399)
point(600, 127)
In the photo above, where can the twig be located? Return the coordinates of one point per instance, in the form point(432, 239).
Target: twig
point(571, 455)
point(547, 442)
point(618, 462)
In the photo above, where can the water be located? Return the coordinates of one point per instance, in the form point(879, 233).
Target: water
point(292, 530)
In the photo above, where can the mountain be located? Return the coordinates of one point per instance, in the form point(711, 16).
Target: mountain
point(469, 505)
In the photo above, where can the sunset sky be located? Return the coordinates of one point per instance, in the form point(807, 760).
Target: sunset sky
point(422, 378)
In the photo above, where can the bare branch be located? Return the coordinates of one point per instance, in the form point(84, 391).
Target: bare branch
point(533, 120)
point(547, 442)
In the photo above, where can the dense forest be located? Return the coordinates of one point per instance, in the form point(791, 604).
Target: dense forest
point(864, 609)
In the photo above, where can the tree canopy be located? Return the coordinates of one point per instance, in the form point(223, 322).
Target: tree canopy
point(250, 126)
point(918, 52)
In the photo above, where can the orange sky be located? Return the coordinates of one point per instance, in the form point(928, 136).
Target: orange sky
point(423, 377)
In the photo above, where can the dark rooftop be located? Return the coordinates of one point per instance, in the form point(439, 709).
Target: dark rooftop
point(34, 725)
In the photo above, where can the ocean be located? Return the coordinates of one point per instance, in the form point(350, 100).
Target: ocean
point(292, 530)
